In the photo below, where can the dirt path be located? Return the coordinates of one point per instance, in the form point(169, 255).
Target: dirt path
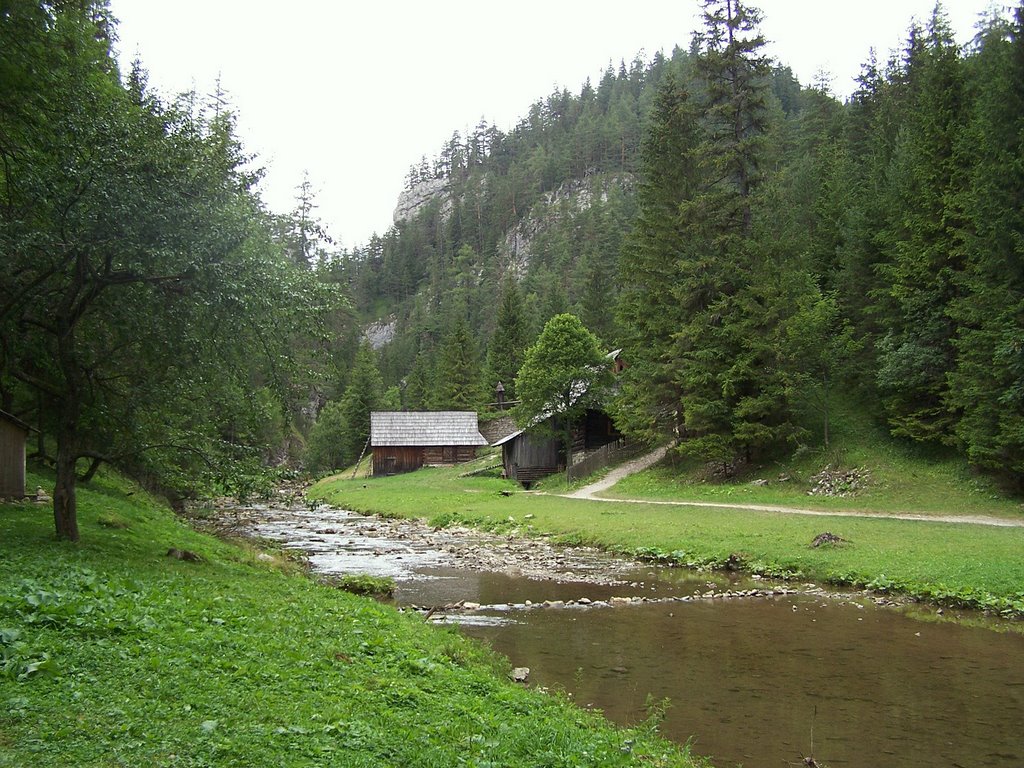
point(636, 465)
point(621, 471)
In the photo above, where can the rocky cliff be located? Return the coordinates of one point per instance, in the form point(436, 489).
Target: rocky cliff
point(416, 198)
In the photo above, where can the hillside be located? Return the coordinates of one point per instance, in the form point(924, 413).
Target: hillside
point(756, 247)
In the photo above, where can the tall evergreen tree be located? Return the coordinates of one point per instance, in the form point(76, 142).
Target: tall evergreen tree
point(510, 339)
point(457, 385)
point(731, 287)
point(921, 246)
point(648, 312)
point(987, 385)
point(363, 395)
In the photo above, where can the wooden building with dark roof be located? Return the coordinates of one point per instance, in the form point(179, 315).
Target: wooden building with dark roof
point(403, 441)
point(13, 436)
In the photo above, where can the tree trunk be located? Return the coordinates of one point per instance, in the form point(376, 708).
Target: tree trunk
point(568, 450)
point(90, 473)
point(65, 505)
point(825, 393)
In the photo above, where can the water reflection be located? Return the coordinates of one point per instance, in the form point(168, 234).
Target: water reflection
point(750, 678)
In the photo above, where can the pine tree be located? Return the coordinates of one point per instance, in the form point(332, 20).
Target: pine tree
point(732, 284)
point(511, 336)
point(363, 395)
point(457, 375)
point(921, 246)
point(987, 386)
point(647, 310)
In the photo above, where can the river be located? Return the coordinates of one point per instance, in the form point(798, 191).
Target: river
point(762, 680)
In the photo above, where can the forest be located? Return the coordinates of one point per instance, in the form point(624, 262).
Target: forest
point(757, 248)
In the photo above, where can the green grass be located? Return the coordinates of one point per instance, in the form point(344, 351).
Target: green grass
point(113, 654)
point(900, 481)
point(956, 564)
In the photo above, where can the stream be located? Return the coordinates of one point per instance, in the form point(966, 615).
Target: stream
point(758, 673)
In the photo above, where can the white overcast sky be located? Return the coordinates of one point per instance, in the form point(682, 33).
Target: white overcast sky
point(356, 92)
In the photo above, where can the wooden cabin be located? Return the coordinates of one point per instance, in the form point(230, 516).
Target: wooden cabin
point(527, 457)
point(530, 454)
point(13, 435)
point(405, 441)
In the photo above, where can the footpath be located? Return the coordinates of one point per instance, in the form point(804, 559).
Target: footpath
point(590, 492)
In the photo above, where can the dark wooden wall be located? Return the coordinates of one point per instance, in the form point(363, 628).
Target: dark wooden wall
point(528, 458)
point(599, 430)
point(12, 460)
point(394, 460)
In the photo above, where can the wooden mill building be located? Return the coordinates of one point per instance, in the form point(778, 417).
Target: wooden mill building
point(13, 435)
point(403, 441)
point(530, 454)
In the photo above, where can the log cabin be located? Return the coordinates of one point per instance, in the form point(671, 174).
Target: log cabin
point(403, 441)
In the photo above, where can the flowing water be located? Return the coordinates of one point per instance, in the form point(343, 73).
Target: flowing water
point(754, 680)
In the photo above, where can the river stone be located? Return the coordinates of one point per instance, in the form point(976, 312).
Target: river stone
point(520, 674)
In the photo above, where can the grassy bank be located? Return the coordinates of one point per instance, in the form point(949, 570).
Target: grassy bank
point(114, 654)
point(966, 565)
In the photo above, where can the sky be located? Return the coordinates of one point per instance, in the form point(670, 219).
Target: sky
point(354, 93)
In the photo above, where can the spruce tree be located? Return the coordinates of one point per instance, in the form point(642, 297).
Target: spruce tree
point(987, 385)
point(922, 244)
point(649, 398)
point(511, 335)
point(457, 373)
point(363, 395)
point(732, 286)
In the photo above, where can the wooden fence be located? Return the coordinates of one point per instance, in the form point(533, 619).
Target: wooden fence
point(612, 453)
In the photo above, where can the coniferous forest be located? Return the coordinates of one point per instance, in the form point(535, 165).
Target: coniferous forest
point(759, 249)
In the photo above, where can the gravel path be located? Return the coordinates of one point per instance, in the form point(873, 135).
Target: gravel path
point(623, 470)
point(590, 492)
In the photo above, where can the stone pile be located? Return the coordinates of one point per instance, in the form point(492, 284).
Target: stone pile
point(833, 481)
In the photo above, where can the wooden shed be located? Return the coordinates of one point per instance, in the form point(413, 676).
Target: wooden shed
point(13, 435)
point(530, 454)
point(403, 441)
point(528, 457)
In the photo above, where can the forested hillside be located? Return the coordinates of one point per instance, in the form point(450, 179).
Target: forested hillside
point(755, 245)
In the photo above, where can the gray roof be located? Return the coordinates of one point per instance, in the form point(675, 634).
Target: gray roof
point(508, 438)
point(424, 428)
point(10, 417)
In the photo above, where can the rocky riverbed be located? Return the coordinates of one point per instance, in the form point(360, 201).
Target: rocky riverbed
point(337, 542)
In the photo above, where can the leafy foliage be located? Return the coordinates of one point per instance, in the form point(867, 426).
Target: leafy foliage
point(145, 309)
point(564, 373)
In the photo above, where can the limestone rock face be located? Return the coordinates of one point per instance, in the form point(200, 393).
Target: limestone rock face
point(381, 332)
point(569, 200)
point(413, 200)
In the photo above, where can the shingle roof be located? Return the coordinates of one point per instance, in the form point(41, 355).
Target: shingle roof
point(424, 428)
point(10, 417)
